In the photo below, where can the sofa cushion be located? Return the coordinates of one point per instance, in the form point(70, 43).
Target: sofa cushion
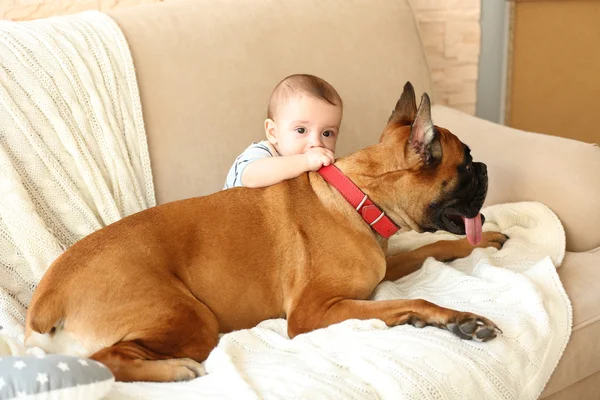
point(581, 390)
point(206, 70)
point(580, 274)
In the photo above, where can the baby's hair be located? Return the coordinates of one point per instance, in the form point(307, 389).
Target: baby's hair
point(299, 84)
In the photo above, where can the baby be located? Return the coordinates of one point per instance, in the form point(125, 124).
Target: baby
point(302, 126)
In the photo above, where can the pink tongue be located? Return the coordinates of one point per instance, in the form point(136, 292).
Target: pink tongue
point(473, 228)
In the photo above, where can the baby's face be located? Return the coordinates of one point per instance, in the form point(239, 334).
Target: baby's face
point(304, 122)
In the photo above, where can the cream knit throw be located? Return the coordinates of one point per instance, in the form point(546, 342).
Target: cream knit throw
point(517, 287)
point(73, 152)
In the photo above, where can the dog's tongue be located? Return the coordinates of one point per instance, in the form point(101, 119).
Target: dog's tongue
point(473, 229)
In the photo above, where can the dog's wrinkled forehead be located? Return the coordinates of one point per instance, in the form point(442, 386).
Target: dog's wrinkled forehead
point(457, 165)
point(451, 144)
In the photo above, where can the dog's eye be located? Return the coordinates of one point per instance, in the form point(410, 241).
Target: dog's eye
point(468, 168)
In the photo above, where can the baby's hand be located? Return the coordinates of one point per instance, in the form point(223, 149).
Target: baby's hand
point(318, 157)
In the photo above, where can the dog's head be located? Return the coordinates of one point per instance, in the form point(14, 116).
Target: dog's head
point(425, 176)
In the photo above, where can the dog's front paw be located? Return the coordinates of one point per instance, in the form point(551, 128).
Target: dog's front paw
point(450, 250)
point(492, 239)
point(185, 369)
point(471, 326)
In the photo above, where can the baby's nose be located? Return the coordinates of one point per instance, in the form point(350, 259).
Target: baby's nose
point(315, 140)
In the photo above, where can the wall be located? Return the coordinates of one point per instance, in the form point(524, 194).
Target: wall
point(451, 35)
point(554, 84)
point(491, 85)
point(449, 28)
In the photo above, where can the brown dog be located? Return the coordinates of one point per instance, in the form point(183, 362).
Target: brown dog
point(148, 295)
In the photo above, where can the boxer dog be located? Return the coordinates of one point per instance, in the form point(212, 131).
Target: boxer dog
point(148, 295)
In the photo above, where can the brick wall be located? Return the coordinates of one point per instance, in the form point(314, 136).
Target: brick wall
point(450, 32)
point(451, 35)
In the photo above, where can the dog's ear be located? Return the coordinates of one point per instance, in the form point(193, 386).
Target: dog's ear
point(406, 107)
point(424, 138)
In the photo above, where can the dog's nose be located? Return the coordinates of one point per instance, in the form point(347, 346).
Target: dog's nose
point(482, 168)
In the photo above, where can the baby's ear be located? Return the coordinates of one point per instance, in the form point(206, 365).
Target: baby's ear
point(271, 131)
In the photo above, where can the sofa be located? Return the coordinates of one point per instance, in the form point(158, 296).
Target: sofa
point(205, 70)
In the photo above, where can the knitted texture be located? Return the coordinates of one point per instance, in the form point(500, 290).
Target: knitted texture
point(517, 287)
point(73, 152)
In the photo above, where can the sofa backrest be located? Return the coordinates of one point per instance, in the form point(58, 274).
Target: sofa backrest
point(206, 69)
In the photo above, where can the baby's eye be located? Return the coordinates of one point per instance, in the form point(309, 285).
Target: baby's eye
point(328, 133)
point(301, 130)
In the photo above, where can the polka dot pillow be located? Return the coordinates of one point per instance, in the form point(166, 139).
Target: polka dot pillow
point(53, 377)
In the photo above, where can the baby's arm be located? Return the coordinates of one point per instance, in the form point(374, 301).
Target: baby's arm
point(272, 170)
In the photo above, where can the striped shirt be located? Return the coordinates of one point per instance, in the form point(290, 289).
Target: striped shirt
point(255, 151)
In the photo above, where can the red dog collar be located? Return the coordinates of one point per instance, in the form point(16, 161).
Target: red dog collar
point(365, 207)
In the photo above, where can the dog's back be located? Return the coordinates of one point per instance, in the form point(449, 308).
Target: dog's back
point(249, 244)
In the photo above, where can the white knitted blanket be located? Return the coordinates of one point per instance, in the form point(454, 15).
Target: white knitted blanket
point(73, 152)
point(517, 287)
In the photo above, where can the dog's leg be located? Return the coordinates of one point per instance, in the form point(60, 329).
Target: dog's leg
point(402, 264)
point(165, 350)
point(416, 312)
point(134, 361)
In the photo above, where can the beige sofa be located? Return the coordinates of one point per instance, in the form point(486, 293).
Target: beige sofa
point(206, 68)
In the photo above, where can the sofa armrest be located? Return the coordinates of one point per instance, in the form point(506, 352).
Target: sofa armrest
point(525, 166)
